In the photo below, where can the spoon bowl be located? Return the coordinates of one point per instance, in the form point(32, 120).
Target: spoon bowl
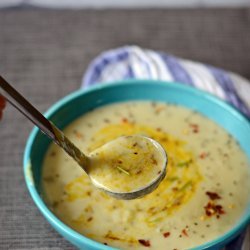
point(128, 167)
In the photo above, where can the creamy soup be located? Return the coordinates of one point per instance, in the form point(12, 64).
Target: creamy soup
point(204, 193)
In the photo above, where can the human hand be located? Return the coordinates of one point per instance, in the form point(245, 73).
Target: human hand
point(2, 105)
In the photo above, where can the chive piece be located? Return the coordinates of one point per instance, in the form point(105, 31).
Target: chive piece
point(172, 179)
point(123, 170)
point(154, 220)
point(185, 186)
point(184, 163)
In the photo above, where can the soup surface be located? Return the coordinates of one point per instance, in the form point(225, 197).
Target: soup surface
point(204, 193)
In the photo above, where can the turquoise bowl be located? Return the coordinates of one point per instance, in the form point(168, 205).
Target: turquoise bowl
point(74, 105)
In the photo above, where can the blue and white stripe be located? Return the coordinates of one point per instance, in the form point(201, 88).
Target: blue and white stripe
point(134, 62)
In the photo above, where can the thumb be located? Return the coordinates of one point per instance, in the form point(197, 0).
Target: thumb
point(2, 102)
point(2, 105)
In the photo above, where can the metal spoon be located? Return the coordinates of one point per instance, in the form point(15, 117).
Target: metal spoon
point(88, 163)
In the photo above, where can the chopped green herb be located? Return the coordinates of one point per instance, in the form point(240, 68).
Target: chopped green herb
point(186, 185)
point(154, 220)
point(172, 179)
point(184, 163)
point(123, 170)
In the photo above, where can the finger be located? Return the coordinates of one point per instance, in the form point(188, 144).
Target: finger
point(2, 102)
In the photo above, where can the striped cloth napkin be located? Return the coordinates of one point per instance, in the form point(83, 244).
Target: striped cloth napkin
point(135, 62)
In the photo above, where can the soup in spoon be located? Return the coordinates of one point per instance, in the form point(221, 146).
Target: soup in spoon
point(128, 167)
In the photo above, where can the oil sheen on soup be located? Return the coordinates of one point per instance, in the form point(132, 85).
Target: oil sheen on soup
point(204, 193)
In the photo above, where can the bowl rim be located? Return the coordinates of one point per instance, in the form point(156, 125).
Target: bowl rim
point(64, 228)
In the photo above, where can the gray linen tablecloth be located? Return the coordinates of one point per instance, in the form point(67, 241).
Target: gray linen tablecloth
point(44, 54)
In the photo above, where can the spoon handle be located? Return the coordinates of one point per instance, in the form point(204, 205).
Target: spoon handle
point(19, 102)
point(47, 127)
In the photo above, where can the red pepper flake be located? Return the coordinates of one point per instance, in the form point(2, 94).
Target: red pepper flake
point(166, 234)
point(88, 193)
point(213, 195)
point(184, 232)
point(124, 120)
point(213, 209)
point(220, 209)
point(78, 134)
point(194, 127)
point(89, 219)
point(203, 155)
point(53, 153)
point(158, 129)
point(138, 172)
point(145, 243)
point(154, 161)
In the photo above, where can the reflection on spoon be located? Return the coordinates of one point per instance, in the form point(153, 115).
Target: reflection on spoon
point(126, 168)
